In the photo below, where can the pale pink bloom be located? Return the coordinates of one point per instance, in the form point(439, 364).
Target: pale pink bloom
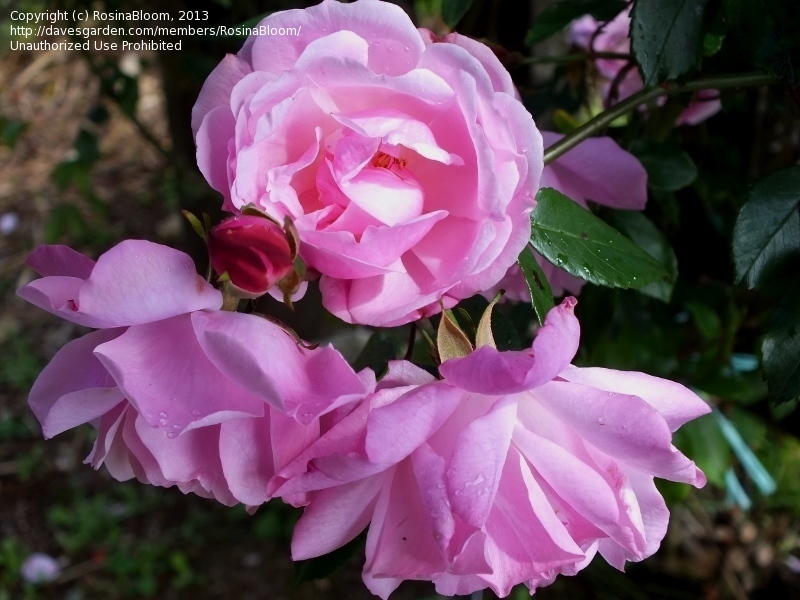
point(407, 166)
point(597, 169)
point(180, 392)
point(40, 568)
point(614, 37)
point(514, 468)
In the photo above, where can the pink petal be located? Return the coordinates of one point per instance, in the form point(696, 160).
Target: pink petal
point(334, 517)
point(400, 543)
point(487, 371)
point(140, 282)
point(402, 372)
point(501, 80)
point(394, 44)
point(476, 464)
point(264, 360)
point(51, 261)
point(74, 388)
point(217, 88)
point(394, 431)
point(58, 295)
point(339, 254)
point(429, 471)
point(623, 426)
point(577, 483)
point(520, 514)
point(213, 152)
point(676, 403)
point(245, 453)
point(167, 376)
point(598, 169)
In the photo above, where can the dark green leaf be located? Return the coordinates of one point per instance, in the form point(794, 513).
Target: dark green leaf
point(454, 10)
point(767, 231)
point(780, 348)
point(667, 37)
point(668, 167)
point(764, 34)
point(10, 130)
point(557, 16)
point(642, 231)
point(86, 146)
point(64, 219)
point(382, 346)
point(541, 294)
point(706, 319)
point(577, 241)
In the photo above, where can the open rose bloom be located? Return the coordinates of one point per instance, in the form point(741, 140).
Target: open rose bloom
point(406, 163)
point(514, 468)
point(180, 392)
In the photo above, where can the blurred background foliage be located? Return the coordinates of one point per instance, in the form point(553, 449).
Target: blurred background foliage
point(97, 147)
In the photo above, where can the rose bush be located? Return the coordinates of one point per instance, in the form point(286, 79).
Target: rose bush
point(406, 162)
point(180, 392)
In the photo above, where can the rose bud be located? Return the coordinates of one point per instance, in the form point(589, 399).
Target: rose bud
point(254, 252)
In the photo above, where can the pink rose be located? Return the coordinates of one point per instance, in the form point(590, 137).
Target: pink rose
point(180, 392)
point(408, 166)
point(614, 37)
point(514, 468)
point(597, 169)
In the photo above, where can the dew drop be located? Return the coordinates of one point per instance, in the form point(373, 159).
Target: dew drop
point(195, 413)
point(163, 415)
point(176, 426)
point(171, 434)
point(459, 493)
point(162, 422)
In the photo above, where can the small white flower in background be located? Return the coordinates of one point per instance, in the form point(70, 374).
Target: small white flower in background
point(8, 223)
point(40, 568)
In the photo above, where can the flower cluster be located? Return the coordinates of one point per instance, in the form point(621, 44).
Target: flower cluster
point(400, 170)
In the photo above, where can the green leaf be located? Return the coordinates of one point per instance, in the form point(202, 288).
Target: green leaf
point(454, 10)
point(539, 287)
point(575, 240)
point(557, 16)
point(669, 168)
point(767, 230)
point(780, 348)
point(642, 231)
point(381, 347)
point(667, 37)
point(706, 319)
point(10, 130)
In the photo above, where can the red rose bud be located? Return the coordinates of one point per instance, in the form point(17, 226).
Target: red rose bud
point(254, 252)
